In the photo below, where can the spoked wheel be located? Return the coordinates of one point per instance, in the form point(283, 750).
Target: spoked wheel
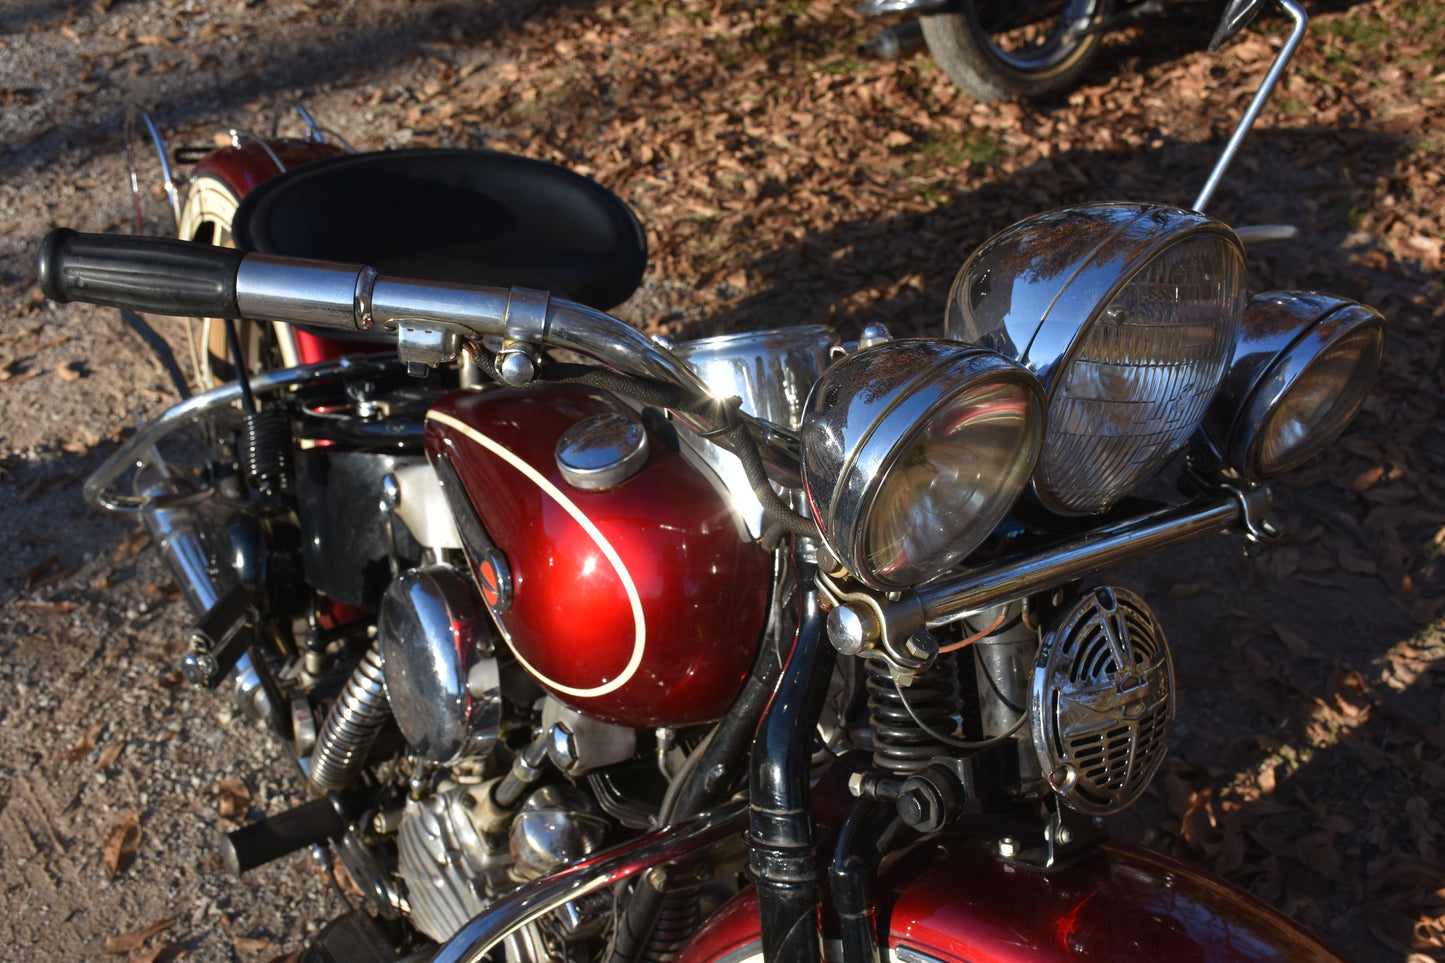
point(206, 214)
point(996, 49)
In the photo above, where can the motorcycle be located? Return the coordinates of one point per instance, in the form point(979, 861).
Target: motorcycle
point(580, 638)
point(994, 50)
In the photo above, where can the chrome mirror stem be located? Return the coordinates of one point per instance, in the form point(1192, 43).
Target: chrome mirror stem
point(1301, 20)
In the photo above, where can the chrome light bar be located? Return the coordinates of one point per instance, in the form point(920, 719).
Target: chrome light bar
point(950, 599)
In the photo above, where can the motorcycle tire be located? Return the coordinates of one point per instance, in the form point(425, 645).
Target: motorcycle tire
point(992, 60)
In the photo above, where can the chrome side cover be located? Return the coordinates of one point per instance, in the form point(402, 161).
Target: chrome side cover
point(441, 679)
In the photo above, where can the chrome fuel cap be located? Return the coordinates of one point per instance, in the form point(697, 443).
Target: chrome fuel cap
point(602, 451)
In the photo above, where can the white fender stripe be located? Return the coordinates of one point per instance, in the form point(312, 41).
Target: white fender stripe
point(639, 645)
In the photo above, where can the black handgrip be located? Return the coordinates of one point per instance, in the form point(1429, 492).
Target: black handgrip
point(159, 275)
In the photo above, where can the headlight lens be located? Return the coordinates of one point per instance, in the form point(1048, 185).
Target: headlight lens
point(1128, 313)
point(1301, 370)
point(912, 453)
point(1141, 376)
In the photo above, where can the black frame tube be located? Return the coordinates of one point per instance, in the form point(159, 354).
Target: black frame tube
point(780, 839)
point(866, 833)
point(706, 784)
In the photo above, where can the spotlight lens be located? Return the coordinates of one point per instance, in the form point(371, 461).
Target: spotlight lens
point(1319, 405)
point(1141, 376)
point(963, 461)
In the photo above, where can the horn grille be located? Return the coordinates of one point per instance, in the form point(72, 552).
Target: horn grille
point(1103, 698)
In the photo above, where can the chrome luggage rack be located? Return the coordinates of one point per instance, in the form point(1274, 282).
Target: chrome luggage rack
point(173, 184)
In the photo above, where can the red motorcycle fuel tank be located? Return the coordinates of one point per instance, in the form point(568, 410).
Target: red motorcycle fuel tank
point(641, 603)
point(951, 901)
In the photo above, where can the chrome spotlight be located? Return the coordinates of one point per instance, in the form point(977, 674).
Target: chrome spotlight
point(913, 450)
point(1127, 313)
point(1302, 367)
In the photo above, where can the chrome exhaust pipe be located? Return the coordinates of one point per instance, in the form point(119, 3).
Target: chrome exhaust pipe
point(208, 556)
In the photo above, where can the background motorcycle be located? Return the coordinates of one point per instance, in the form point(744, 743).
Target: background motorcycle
point(996, 49)
point(295, 310)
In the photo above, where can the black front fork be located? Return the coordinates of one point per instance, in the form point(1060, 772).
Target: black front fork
point(781, 844)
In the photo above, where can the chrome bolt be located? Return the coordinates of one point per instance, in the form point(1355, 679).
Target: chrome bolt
point(873, 334)
point(390, 492)
point(1008, 847)
point(850, 630)
point(516, 368)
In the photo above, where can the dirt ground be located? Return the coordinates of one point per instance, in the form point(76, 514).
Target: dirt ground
point(781, 180)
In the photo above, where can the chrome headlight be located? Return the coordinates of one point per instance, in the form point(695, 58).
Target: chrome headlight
point(1127, 313)
point(1302, 367)
point(913, 451)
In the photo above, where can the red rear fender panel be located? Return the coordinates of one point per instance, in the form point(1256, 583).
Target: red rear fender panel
point(242, 168)
point(952, 902)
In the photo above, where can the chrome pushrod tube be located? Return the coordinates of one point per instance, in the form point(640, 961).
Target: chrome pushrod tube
point(222, 396)
point(950, 599)
point(535, 900)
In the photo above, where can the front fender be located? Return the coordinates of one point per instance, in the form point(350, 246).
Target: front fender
point(951, 901)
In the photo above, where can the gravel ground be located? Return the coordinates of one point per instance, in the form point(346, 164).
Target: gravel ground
point(94, 727)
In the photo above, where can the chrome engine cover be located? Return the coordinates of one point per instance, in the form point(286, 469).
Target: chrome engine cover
point(445, 861)
point(452, 871)
point(441, 677)
point(1103, 698)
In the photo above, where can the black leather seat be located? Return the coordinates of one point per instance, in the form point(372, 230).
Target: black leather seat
point(469, 216)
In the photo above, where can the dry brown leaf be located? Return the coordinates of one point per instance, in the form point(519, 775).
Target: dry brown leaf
point(84, 744)
point(251, 944)
point(47, 483)
point(18, 379)
point(165, 953)
point(134, 543)
point(29, 575)
point(70, 371)
point(235, 798)
point(50, 608)
point(1368, 478)
point(1317, 852)
point(130, 942)
point(344, 880)
point(110, 754)
point(122, 844)
point(56, 576)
